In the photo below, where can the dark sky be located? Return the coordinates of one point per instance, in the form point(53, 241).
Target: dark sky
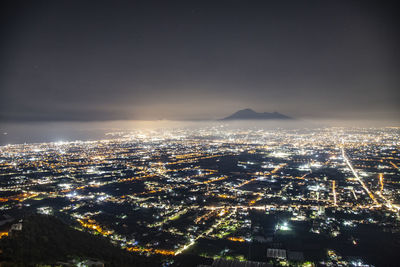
point(107, 60)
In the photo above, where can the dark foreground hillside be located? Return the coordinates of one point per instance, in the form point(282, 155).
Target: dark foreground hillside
point(47, 240)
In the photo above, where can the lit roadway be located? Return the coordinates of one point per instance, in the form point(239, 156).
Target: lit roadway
point(358, 177)
point(205, 233)
point(334, 192)
point(395, 166)
point(387, 202)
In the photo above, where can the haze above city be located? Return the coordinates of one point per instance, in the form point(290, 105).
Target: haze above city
point(100, 61)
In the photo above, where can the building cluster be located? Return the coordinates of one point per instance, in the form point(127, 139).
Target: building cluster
point(172, 191)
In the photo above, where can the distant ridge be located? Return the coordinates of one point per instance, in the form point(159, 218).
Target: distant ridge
point(249, 114)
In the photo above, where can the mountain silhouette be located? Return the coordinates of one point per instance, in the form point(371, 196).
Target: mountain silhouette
point(249, 114)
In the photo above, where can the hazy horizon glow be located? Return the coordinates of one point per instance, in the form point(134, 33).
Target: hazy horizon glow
point(128, 60)
point(44, 132)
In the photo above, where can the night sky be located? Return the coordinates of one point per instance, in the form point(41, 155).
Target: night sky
point(113, 60)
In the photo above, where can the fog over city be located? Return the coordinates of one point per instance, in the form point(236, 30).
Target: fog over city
point(85, 61)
